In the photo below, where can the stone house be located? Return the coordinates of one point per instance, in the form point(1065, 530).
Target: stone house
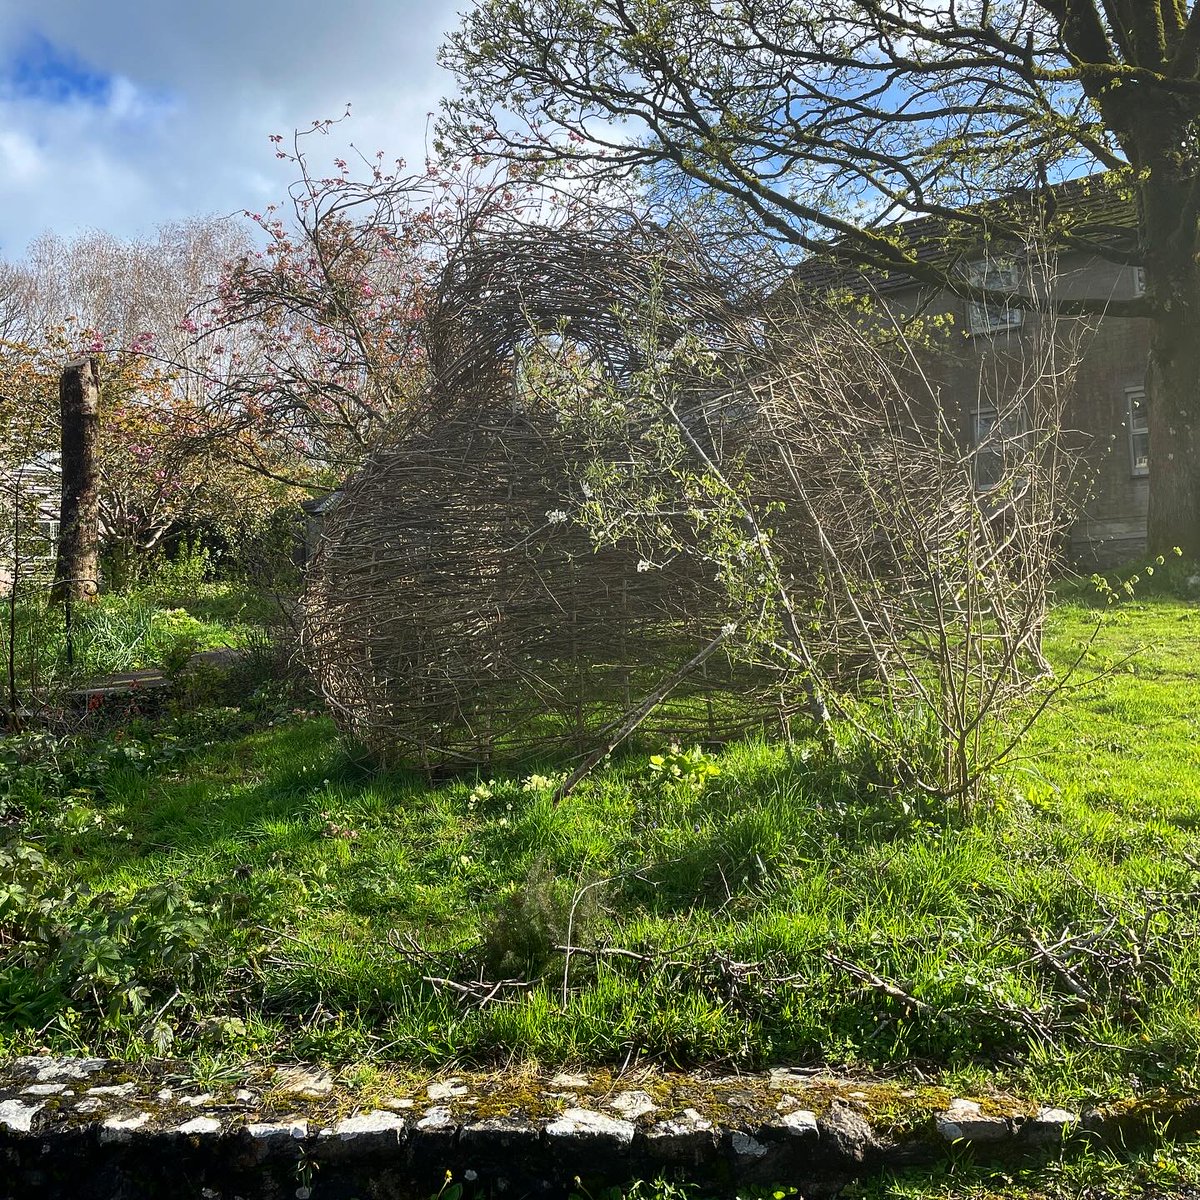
point(315, 511)
point(979, 358)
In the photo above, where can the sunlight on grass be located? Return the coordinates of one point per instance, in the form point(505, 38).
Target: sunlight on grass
point(342, 893)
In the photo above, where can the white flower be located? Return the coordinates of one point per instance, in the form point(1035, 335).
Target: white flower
point(729, 628)
point(644, 564)
point(586, 489)
point(541, 783)
point(556, 516)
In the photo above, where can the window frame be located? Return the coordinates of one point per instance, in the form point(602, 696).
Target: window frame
point(1139, 467)
point(983, 318)
point(1007, 427)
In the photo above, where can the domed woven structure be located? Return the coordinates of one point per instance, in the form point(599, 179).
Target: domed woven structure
point(454, 614)
point(471, 601)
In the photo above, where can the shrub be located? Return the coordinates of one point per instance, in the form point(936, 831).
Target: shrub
point(175, 581)
point(531, 920)
point(100, 961)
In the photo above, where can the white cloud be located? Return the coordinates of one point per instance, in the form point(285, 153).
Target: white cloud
point(164, 109)
point(20, 161)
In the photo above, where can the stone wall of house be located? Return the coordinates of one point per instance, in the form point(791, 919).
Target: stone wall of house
point(985, 366)
point(1115, 350)
point(38, 485)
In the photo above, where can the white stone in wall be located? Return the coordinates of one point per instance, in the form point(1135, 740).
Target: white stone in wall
point(120, 1129)
point(1051, 1125)
point(446, 1089)
point(744, 1146)
point(46, 1069)
point(200, 1126)
point(17, 1115)
point(799, 1123)
point(304, 1081)
point(584, 1123)
point(632, 1105)
point(564, 1079)
point(369, 1124)
point(965, 1120)
point(278, 1131)
point(437, 1118)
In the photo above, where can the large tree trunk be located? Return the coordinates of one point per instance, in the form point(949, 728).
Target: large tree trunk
point(1174, 408)
point(77, 571)
point(1169, 236)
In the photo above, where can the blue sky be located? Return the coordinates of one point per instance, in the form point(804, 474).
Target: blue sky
point(126, 114)
point(37, 69)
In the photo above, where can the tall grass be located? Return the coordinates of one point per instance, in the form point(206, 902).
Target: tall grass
point(171, 605)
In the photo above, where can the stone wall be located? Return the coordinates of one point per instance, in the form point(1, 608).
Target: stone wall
point(95, 1130)
point(1113, 353)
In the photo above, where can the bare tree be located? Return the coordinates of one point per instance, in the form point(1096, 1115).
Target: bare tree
point(129, 303)
point(827, 130)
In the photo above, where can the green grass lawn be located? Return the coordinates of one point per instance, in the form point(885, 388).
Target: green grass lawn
point(144, 627)
point(781, 912)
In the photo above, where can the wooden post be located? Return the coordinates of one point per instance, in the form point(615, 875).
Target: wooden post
point(77, 570)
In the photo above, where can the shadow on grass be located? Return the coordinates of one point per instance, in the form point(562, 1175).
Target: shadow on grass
point(751, 823)
point(252, 790)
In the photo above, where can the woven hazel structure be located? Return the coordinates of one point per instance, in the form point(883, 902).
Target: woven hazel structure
point(453, 616)
point(457, 613)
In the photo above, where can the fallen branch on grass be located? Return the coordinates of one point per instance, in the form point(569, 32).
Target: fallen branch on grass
point(879, 984)
point(478, 993)
point(1061, 972)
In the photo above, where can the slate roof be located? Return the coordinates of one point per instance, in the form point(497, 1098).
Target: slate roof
point(1093, 207)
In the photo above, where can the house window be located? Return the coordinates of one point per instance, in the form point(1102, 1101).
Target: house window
point(999, 442)
point(1001, 275)
point(45, 539)
point(1137, 420)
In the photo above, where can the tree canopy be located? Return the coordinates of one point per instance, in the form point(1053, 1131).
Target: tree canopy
point(827, 128)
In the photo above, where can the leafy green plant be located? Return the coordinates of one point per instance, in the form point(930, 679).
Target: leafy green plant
point(125, 632)
point(450, 1190)
point(123, 955)
point(177, 579)
point(31, 894)
point(114, 634)
point(176, 656)
point(42, 774)
point(101, 961)
point(1160, 576)
point(681, 770)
